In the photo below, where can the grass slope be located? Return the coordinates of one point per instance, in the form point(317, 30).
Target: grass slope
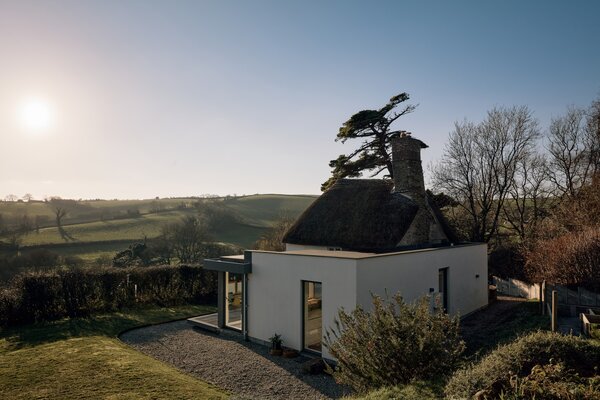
point(92, 237)
point(83, 359)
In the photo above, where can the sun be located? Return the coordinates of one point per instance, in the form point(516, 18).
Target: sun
point(36, 115)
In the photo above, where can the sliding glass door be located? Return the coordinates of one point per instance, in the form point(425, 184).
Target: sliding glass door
point(312, 300)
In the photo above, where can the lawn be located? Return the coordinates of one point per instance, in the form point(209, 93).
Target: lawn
point(500, 323)
point(83, 359)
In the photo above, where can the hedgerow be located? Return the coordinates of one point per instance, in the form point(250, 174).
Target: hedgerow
point(75, 292)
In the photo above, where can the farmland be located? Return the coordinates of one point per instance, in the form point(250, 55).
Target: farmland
point(92, 229)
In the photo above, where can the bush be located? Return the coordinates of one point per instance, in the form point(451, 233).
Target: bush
point(394, 344)
point(553, 382)
point(75, 292)
point(571, 259)
point(523, 360)
point(414, 391)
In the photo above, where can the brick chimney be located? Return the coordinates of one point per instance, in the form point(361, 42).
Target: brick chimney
point(408, 180)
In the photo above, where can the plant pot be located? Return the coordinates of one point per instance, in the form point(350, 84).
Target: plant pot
point(290, 353)
point(276, 352)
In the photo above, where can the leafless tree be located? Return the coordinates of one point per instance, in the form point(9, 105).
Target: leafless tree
point(528, 197)
point(27, 197)
point(185, 240)
point(574, 149)
point(480, 162)
point(10, 197)
point(272, 239)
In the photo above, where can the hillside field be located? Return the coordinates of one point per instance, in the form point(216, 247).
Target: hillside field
point(102, 227)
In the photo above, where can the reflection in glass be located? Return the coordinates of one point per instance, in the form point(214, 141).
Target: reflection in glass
point(233, 301)
point(312, 316)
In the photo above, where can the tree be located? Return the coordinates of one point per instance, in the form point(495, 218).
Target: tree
point(272, 240)
point(27, 197)
point(480, 163)
point(61, 208)
point(185, 240)
point(374, 154)
point(529, 196)
point(10, 197)
point(574, 147)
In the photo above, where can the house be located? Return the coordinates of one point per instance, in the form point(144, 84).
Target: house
point(361, 236)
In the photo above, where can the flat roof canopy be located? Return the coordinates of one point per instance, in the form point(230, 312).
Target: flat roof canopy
point(238, 264)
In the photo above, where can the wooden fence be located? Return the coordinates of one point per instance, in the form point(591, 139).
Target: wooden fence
point(570, 301)
point(517, 288)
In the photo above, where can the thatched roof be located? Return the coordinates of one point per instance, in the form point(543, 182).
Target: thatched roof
point(355, 214)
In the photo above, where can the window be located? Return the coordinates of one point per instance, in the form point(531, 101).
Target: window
point(312, 300)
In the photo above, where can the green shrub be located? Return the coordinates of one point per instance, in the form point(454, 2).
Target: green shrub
point(394, 344)
point(414, 391)
point(76, 292)
point(501, 370)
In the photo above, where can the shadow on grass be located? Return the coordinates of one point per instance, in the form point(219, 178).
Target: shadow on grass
point(500, 323)
point(97, 325)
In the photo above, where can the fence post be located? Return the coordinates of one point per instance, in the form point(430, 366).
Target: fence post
point(543, 297)
point(554, 311)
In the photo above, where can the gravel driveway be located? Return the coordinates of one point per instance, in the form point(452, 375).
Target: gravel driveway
point(242, 368)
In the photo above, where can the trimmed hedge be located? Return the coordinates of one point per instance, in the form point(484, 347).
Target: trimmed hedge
point(496, 373)
point(45, 296)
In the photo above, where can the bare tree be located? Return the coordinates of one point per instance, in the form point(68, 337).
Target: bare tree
point(593, 135)
point(185, 240)
point(569, 153)
point(528, 197)
point(27, 197)
point(10, 197)
point(272, 239)
point(480, 162)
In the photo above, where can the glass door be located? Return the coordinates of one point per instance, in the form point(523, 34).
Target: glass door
point(312, 300)
point(233, 300)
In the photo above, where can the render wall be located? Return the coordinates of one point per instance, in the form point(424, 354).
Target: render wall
point(414, 273)
point(275, 293)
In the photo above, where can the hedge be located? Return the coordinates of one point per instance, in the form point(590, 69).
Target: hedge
point(76, 292)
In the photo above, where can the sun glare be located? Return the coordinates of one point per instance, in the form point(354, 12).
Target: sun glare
point(36, 115)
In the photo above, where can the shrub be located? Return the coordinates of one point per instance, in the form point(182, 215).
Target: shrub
point(394, 344)
point(571, 259)
point(553, 382)
point(501, 370)
point(75, 292)
point(413, 391)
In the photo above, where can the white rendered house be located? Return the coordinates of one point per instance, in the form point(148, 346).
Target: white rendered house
point(361, 236)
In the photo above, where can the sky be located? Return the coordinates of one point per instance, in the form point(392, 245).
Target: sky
point(185, 98)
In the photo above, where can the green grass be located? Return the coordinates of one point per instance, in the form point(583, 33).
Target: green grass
point(83, 359)
point(524, 318)
point(263, 209)
point(93, 237)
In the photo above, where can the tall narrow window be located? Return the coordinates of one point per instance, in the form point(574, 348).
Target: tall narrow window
point(233, 300)
point(312, 316)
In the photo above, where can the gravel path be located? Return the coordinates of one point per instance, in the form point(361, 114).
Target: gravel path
point(242, 368)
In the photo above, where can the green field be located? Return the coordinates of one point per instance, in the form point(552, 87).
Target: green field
point(102, 227)
point(83, 359)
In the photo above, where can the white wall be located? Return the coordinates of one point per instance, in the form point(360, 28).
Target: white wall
point(414, 273)
point(275, 293)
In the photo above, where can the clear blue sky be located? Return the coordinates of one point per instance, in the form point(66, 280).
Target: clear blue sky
point(181, 98)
